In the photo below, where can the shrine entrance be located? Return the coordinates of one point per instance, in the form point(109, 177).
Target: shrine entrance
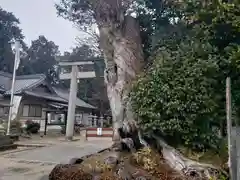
point(60, 119)
point(78, 70)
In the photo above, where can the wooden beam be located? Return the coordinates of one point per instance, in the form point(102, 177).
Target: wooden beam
point(4, 105)
point(62, 63)
point(80, 75)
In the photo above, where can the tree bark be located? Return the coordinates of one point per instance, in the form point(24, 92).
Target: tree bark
point(122, 49)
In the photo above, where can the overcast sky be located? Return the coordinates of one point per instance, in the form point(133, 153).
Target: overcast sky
point(38, 17)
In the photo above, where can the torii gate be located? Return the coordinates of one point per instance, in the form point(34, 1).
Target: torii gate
point(74, 75)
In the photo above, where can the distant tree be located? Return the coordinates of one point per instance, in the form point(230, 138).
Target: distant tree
point(42, 58)
point(9, 31)
point(79, 53)
point(91, 38)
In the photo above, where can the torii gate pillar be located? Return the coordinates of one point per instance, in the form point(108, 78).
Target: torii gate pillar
point(72, 103)
point(74, 76)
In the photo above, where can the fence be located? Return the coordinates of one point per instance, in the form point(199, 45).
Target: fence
point(99, 133)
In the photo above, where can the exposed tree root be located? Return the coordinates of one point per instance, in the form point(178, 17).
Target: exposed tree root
point(174, 158)
point(187, 166)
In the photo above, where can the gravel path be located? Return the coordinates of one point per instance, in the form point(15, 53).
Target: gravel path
point(36, 163)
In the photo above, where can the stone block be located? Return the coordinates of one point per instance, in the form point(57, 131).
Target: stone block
point(6, 143)
point(5, 140)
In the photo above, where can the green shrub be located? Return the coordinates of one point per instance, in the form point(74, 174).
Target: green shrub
point(63, 129)
point(15, 126)
point(32, 127)
point(180, 97)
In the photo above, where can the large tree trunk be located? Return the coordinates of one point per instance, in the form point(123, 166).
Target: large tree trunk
point(122, 49)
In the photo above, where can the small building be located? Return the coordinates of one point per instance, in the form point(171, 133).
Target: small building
point(39, 101)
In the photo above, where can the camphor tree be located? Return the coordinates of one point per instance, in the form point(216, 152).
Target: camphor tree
point(122, 48)
point(121, 44)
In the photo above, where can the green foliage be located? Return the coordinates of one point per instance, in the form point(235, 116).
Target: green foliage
point(177, 99)
point(182, 95)
point(9, 30)
point(216, 21)
point(15, 127)
point(155, 18)
point(32, 127)
point(41, 59)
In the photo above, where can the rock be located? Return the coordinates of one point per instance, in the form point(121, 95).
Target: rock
point(117, 146)
point(69, 172)
point(128, 144)
point(141, 175)
point(123, 173)
point(76, 161)
point(97, 177)
point(111, 160)
point(109, 175)
point(6, 143)
point(5, 140)
point(141, 178)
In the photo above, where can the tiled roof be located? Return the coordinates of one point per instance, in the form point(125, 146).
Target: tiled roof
point(65, 94)
point(22, 82)
point(47, 96)
point(25, 84)
point(61, 96)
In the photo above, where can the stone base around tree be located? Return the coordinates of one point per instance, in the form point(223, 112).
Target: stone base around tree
point(6, 143)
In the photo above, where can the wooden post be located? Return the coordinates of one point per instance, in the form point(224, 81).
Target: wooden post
point(46, 122)
point(101, 121)
point(231, 148)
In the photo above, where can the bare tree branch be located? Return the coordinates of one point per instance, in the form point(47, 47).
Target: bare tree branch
point(91, 39)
